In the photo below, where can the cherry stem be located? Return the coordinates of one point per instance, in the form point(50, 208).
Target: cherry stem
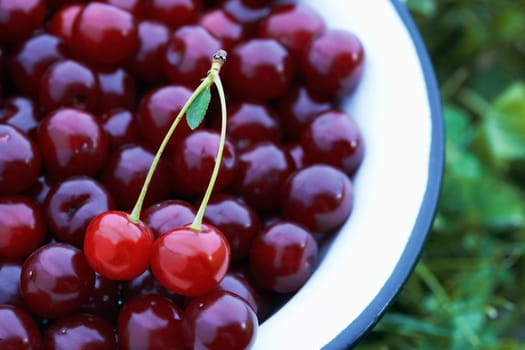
point(196, 225)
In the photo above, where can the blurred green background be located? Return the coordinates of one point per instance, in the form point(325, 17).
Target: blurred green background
point(468, 290)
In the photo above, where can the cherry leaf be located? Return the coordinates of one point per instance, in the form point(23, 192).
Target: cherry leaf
point(198, 108)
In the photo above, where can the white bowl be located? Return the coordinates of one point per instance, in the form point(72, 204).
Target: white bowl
point(397, 106)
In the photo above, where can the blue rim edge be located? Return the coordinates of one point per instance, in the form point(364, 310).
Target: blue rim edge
point(350, 336)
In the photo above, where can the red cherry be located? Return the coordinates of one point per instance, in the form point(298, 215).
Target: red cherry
point(168, 215)
point(20, 18)
point(174, 13)
point(188, 262)
point(104, 299)
point(116, 247)
point(117, 89)
point(121, 126)
point(224, 27)
point(10, 277)
point(18, 330)
point(61, 22)
point(20, 112)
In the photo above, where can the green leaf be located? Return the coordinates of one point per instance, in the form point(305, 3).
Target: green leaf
point(198, 108)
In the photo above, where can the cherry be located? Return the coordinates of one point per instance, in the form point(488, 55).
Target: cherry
point(194, 159)
point(38, 192)
point(72, 142)
point(174, 13)
point(146, 284)
point(283, 256)
point(147, 63)
point(121, 126)
point(20, 161)
point(237, 220)
point(132, 6)
point(293, 25)
point(22, 227)
point(68, 83)
point(104, 299)
point(333, 63)
point(80, 331)
point(58, 4)
point(187, 56)
point(318, 196)
point(61, 22)
point(246, 12)
point(18, 330)
point(116, 247)
point(10, 276)
point(72, 203)
point(259, 68)
point(167, 215)
point(236, 328)
point(117, 89)
point(263, 167)
point(104, 34)
point(150, 322)
point(224, 27)
point(56, 280)
point(20, 18)
point(20, 112)
point(190, 262)
point(124, 173)
point(236, 284)
point(296, 152)
point(333, 137)
point(30, 60)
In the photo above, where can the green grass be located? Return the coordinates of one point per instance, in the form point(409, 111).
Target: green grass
point(468, 289)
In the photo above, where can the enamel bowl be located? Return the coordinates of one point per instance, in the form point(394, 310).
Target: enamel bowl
point(396, 189)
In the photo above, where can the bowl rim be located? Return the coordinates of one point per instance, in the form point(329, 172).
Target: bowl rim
point(364, 323)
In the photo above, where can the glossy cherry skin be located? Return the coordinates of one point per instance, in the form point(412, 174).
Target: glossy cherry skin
point(333, 63)
point(246, 12)
point(104, 299)
point(147, 62)
point(73, 142)
point(80, 331)
point(20, 161)
point(150, 322)
point(263, 167)
point(38, 192)
point(104, 34)
point(283, 256)
point(167, 215)
point(188, 55)
point(296, 152)
point(117, 89)
point(235, 329)
point(10, 276)
point(174, 13)
point(132, 6)
point(20, 18)
point(31, 58)
point(20, 112)
point(121, 126)
point(224, 27)
point(236, 284)
point(334, 137)
point(319, 197)
point(237, 220)
point(259, 68)
point(71, 204)
point(125, 171)
point(22, 227)
point(68, 83)
point(194, 160)
point(56, 280)
point(18, 330)
point(116, 247)
point(146, 284)
point(190, 263)
point(61, 22)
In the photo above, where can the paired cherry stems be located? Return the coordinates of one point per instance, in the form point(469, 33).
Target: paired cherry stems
point(212, 78)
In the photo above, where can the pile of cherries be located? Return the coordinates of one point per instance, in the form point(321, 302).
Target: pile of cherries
point(88, 90)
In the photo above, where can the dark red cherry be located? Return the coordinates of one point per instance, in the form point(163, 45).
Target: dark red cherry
point(18, 330)
point(194, 160)
point(38, 192)
point(236, 284)
point(158, 109)
point(71, 204)
point(147, 63)
point(224, 27)
point(116, 247)
point(173, 13)
point(117, 89)
point(237, 220)
point(20, 161)
point(132, 6)
point(333, 63)
point(56, 280)
point(318, 196)
point(104, 34)
point(10, 277)
point(121, 126)
point(296, 152)
point(125, 171)
point(188, 55)
point(22, 227)
point(246, 12)
point(283, 256)
point(146, 284)
point(334, 137)
point(259, 68)
point(20, 112)
point(188, 262)
point(80, 331)
point(20, 18)
point(104, 299)
point(167, 215)
point(31, 58)
point(68, 83)
point(293, 25)
point(150, 322)
point(57, 4)
point(235, 329)
point(61, 22)
point(263, 168)
point(73, 142)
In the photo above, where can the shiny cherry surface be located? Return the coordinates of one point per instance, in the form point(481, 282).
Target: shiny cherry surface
point(190, 263)
point(10, 276)
point(121, 126)
point(22, 113)
point(224, 27)
point(116, 247)
point(61, 22)
point(104, 299)
point(20, 18)
point(167, 215)
point(18, 330)
point(236, 284)
point(174, 13)
point(117, 89)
